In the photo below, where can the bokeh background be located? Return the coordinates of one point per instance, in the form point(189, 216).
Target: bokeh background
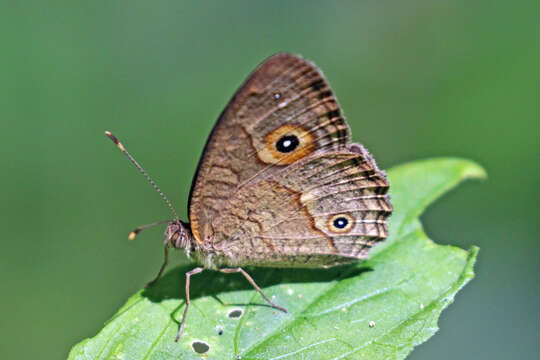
point(416, 79)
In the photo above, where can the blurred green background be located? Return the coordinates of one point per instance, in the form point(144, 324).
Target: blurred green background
point(416, 79)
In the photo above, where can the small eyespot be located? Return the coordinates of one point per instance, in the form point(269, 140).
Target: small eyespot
point(276, 96)
point(287, 143)
point(340, 223)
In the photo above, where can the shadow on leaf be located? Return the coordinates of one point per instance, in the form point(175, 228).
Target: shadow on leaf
point(213, 283)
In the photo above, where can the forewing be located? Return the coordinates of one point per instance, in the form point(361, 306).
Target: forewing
point(285, 96)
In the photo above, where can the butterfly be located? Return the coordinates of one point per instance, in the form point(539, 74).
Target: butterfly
point(279, 183)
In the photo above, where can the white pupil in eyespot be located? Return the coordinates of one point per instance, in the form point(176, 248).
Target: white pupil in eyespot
point(287, 143)
point(341, 222)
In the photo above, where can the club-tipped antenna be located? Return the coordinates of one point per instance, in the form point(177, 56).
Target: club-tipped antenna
point(142, 171)
point(132, 235)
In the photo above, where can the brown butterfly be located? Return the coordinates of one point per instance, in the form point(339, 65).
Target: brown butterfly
point(279, 183)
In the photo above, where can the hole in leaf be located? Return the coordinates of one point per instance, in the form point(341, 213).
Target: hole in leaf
point(235, 313)
point(200, 347)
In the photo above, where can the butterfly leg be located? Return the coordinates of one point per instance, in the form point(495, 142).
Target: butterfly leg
point(163, 266)
point(188, 275)
point(253, 283)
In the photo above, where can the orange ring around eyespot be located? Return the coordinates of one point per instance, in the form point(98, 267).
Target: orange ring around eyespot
point(330, 223)
point(270, 155)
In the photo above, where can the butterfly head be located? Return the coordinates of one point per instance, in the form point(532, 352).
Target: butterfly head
point(178, 234)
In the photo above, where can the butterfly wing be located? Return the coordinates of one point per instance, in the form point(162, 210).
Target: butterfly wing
point(284, 112)
point(279, 183)
point(325, 209)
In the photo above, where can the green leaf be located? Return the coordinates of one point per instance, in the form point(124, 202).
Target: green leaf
point(377, 309)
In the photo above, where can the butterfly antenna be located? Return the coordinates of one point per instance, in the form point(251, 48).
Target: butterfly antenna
point(142, 171)
point(134, 233)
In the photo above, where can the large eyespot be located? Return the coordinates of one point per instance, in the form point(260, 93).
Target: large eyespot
point(340, 223)
point(286, 144)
